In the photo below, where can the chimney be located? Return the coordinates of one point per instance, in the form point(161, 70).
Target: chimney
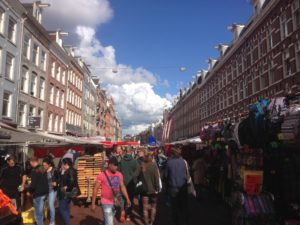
point(222, 49)
point(57, 36)
point(236, 29)
point(257, 6)
point(37, 10)
point(211, 62)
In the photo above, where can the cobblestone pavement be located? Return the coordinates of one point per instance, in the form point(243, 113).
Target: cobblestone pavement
point(208, 212)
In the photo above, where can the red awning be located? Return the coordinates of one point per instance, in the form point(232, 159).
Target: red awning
point(107, 144)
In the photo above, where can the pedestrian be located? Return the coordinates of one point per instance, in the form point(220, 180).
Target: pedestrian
point(38, 188)
point(128, 166)
point(111, 182)
point(161, 160)
point(148, 182)
point(68, 183)
point(10, 179)
point(53, 178)
point(199, 168)
point(176, 176)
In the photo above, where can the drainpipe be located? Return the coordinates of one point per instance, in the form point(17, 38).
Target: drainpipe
point(20, 67)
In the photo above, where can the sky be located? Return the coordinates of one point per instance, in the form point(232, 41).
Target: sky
point(146, 42)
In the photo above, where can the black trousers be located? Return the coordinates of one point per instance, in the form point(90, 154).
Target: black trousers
point(179, 204)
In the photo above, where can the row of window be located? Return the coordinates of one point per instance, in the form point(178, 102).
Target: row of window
point(55, 123)
point(25, 112)
point(74, 79)
point(74, 99)
point(32, 84)
point(58, 73)
point(73, 118)
point(8, 26)
point(56, 96)
point(33, 52)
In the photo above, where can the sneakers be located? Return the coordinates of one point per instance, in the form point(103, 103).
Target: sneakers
point(122, 217)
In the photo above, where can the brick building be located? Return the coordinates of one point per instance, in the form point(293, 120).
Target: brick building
point(263, 60)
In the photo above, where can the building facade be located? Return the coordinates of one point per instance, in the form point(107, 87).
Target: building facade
point(35, 54)
point(263, 60)
point(11, 31)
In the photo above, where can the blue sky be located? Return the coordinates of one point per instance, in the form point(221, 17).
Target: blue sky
point(147, 41)
point(161, 35)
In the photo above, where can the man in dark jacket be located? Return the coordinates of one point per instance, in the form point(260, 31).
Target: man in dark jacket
point(176, 176)
point(128, 166)
point(38, 188)
point(11, 179)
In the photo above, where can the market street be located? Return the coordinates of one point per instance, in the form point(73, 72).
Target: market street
point(208, 212)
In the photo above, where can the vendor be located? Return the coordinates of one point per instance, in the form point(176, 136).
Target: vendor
point(10, 179)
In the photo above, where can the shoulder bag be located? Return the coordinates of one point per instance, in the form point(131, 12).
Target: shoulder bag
point(190, 185)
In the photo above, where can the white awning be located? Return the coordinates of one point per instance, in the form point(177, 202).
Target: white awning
point(193, 140)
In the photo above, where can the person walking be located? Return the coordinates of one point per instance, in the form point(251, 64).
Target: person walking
point(38, 188)
point(176, 176)
point(68, 183)
point(128, 166)
point(148, 181)
point(111, 182)
point(53, 178)
point(10, 179)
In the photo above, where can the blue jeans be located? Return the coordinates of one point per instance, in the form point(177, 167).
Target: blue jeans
point(38, 204)
point(51, 202)
point(64, 209)
point(109, 213)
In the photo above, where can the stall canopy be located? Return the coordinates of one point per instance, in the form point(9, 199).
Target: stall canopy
point(193, 140)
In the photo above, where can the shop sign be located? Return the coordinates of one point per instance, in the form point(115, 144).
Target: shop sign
point(34, 122)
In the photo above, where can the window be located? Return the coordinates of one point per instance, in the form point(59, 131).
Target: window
point(56, 123)
point(287, 63)
point(9, 66)
point(31, 110)
point(62, 99)
point(21, 114)
point(50, 121)
point(57, 97)
point(51, 93)
point(6, 104)
point(283, 25)
point(35, 51)
point(61, 124)
point(41, 115)
point(26, 44)
point(270, 37)
point(2, 14)
point(42, 88)
point(296, 14)
point(12, 24)
point(43, 61)
point(24, 79)
point(63, 77)
point(298, 55)
point(58, 73)
point(33, 84)
point(52, 69)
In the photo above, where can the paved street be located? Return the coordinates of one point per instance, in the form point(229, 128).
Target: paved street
point(209, 212)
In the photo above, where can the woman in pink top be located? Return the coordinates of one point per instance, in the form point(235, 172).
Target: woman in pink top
point(107, 196)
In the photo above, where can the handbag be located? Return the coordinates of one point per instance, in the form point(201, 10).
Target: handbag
point(118, 199)
point(190, 185)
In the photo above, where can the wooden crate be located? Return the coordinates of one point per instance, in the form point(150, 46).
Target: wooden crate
point(89, 168)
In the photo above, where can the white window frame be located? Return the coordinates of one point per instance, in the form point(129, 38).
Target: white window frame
point(11, 33)
point(26, 46)
point(24, 80)
point(2, 20)
point(42, 88)
point(9, 74)
point(8, 109)
point(33, 84)
point(43, 60)
point(35, 54)
point(22, 118)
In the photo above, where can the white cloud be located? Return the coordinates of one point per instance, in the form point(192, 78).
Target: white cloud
point(138, 104)
point(132, 88)
point(70, 13)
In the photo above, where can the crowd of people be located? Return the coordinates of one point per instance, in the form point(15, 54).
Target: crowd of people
point(131, 173)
